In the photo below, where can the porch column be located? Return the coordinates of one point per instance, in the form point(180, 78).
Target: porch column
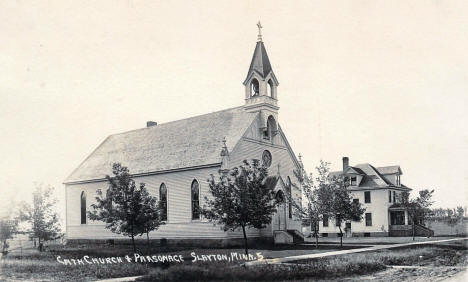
point(406, 217)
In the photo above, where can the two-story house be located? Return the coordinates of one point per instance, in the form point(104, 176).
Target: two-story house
point(378, 189)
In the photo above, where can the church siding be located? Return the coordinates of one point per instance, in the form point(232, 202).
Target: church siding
point(253, 149)
point(179, 225)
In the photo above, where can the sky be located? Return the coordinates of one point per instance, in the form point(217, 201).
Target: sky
point(381, 82)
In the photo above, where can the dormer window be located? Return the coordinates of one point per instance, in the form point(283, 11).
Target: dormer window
point(398, 180)
point(353, 180)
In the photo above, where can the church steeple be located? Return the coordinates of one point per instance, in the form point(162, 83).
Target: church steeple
point(261, 88)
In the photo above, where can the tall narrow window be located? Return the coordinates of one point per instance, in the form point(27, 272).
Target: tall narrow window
point(325, 220)
point(254, 88)
point(83, 207)
point(290, 196)
point(195, 200)
point(389, 196)
point(270, 89)
point(163, 201)
point(368, 219)
point(394, 197)
point(367, 197)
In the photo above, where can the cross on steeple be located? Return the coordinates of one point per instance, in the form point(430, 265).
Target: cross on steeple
point(259, 25)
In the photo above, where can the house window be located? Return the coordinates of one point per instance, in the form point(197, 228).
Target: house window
point(195, 200)
point(356, 201)
point(389, 196)
point(398, 180)
point(397, 218)
point(368, 219)
point(394, 197)
point(367, 198)
point(337, 220)
point(353, 180)
point(83, 207)
point(163, 201)
point(325, 220)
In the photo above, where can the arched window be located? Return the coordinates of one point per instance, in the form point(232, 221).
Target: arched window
point(270, 89)
point(163, 201)
point(271, 128)
point(195, 191)
point(279, 197)
point(289, 186)
point(83, 207)
point(266, 158)
point(254, 88)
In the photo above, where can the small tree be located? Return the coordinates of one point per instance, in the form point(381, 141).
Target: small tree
point(341, 206)
point(41, 215)
point(150, 217)
point(460, 212)
point(8, 228)
point(241, 198)
point(418, 208)
point(314, 196)
point(126, 208)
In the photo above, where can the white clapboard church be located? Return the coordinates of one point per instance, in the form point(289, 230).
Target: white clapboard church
point(175, 159)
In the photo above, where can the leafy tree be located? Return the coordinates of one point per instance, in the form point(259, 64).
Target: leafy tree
point(41, 215)
point(8, 228)
point(241, 198)
point(340, 205)
point(418, 208)
point(314, 194)
point(126, 209)
point(151, 215)
point(460, 212)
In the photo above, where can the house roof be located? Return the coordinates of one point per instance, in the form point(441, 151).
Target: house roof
point(372, 177)
point(260, 62)
point(190, 142)
point(389, 169)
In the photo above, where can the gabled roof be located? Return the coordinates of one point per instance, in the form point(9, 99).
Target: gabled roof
point(191, 142)
point(372, 177)
point(260, 62)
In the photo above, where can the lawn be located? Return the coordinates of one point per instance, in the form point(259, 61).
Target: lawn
point(44, 266)
point(443, 258)
point(33, 265)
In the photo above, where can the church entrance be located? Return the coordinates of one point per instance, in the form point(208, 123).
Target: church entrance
point(279, 220)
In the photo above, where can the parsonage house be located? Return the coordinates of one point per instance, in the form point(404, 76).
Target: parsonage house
point(175, 159)
point(379, 189)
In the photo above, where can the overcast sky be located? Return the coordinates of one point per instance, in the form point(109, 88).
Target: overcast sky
point(382, 82)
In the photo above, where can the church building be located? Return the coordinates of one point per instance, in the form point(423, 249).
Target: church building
point(175, 159)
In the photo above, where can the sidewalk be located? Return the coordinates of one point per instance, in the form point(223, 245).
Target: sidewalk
point(343, 252)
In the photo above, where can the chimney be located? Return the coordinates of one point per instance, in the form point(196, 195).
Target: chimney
point(151, 123)
point(345, 163)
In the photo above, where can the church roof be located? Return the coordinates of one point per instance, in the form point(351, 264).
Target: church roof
point(260, 62)
point(191, 142)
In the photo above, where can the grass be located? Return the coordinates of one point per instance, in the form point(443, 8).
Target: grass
point(260, 273)
point(43, 266)
point(320, 268)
